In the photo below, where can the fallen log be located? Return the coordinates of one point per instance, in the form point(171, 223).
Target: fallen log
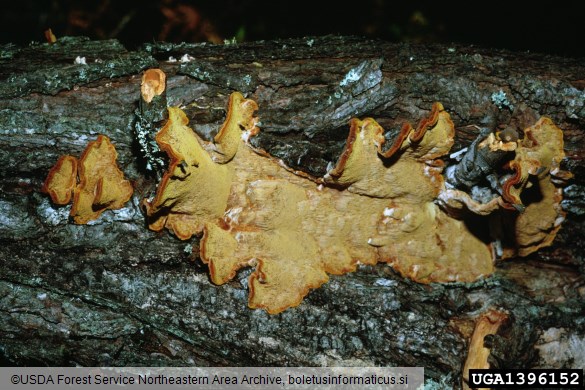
point(113, 292)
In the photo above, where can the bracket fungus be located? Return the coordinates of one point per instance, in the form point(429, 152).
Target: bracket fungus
point(376, 204)
point(537, 168)
point(94, 181)
point(195, 188)
point(412, 233)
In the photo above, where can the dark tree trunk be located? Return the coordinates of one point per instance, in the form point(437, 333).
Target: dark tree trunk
point(114, 293)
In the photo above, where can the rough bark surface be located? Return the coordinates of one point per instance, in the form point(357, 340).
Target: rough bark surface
point(114, 293)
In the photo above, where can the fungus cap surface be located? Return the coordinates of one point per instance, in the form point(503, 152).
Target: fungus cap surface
point(102, 184)
point(153, 84)
point(61, 180)
point(196, 186)
point(94, 181)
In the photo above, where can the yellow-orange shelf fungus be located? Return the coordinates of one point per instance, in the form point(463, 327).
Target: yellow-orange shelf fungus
point(532, 194)
point(488, 323)
point(94, 181)
point(240, 118)
point(102, 185)
point(537, 162)
point(254, 212)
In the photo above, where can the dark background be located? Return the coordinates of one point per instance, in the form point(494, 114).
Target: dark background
point(549, 27)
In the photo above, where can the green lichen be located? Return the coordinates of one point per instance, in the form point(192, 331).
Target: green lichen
point(501, 100)
point(149, 120)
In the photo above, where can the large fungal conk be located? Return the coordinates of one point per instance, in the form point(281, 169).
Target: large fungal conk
point(377, 204)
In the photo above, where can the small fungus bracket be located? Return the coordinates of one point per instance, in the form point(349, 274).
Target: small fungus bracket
point(537, 169)
point(153, 84)
point(94, 181)
point(538, 154)
point(61, 181)
point(488, 323)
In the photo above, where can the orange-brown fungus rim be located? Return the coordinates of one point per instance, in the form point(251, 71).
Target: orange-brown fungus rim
point(404, 131)
point(166, 146)
point(415, 136)
point(230, 111)
point(427, 122)
point(511, 182)
point(223, 130)
point(174, 158)
point(354, 126)
point(258, 274)
point(81, 169)
point(206, 260)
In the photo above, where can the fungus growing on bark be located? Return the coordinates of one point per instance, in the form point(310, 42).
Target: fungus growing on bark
point(95, 181)
point(477, 357)
point(539, 153)
point(195, 188)
point(227, 139)
point(413, 234)
point(49, 36)
point(377, 204)
point(61, 180)
point(537, 169)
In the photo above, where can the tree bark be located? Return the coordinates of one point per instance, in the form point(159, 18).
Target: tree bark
point(114, 293)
